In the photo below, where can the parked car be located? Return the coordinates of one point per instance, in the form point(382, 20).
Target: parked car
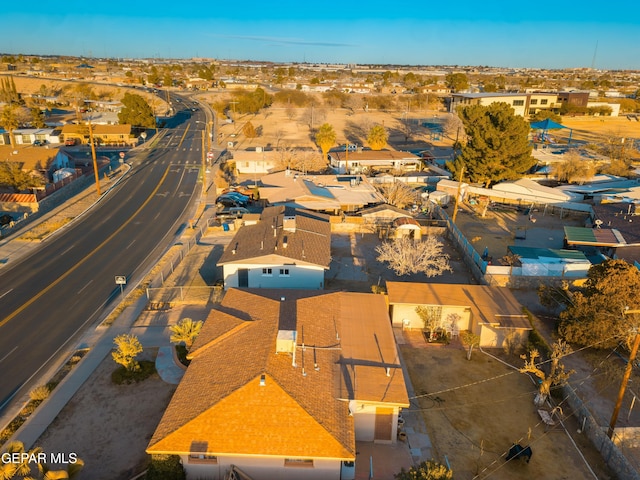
point(38, 143)
point(237, 195)
point(228, 202)
point(231, 201)
point(232, 212)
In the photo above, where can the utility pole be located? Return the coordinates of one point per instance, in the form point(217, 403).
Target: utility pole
point(93, 157)
point(625, 378)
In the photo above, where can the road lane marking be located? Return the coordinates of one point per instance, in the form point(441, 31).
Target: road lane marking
point(184, 134)
point(89, 255)
point(14, 349)
point(7, 292)
point(88, 283)
point(130, 245)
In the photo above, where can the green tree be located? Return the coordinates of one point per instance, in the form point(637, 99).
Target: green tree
point(10, 121)
point(185, 331)
point(136, 111)
point(325, 138)
point(128, 348)
point(595, 314)
point(429, 470)
point(497, 145)
point(377, 137)
point(249, 130)
point(14, 177)
point(252, 102)
point(541, 115)
point(37, 117)
point(457, 81)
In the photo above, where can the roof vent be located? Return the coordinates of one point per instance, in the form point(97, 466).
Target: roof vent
point(286, 341)
point(263, 380)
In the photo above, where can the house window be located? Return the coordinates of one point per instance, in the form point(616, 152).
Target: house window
point(203, 458)
point(246, 164)
point(284, 272)
point(543, 101)
point(534, 101)
point(298, 462)
point(518, 103)
point(267, 272)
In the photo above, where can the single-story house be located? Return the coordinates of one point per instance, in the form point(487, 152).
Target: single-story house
point(103, 134)
point(286, 248)
point(493, 313)
point(383, 214)
point(365, 161)
point(322, 193)
point(281, 385)
point(256, 161)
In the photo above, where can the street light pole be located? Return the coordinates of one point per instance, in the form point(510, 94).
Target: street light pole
point(625, 378)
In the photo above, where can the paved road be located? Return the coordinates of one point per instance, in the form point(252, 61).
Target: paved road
point(48, 297)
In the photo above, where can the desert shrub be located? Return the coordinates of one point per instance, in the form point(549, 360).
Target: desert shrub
point(165, 467)
point(122, 376)
point(39, 393)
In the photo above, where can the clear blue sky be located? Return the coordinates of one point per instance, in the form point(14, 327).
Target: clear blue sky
point(510, 34)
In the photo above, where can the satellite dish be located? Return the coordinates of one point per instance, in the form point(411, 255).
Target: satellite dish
point(598, 222)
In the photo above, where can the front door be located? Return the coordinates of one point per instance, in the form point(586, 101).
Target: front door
point(384, 424)
point(243, 278)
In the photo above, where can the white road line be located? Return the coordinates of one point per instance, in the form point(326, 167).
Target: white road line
point(14, 349)
point(80, 291)
point(7, 292)
point(130, 245)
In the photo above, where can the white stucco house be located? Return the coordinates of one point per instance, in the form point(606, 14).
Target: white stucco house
point(281, 385)
point(285, 248)
point(493, 313)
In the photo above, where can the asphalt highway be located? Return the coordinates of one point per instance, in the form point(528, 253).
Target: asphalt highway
point(50, 297)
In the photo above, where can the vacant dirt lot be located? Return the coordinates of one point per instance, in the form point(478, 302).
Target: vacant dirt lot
point(475, 410)
point(109, 426)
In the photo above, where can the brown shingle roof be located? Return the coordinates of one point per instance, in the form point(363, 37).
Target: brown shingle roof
point(489, 305)
point(300, 411)
point(270, 241)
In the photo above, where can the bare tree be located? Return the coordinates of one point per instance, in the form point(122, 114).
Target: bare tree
point(573, 168)
point(405, 256)
point(454, 128)
point(398, 194)
point(557, 375)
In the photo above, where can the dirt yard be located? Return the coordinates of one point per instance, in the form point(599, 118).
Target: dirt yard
point(475, 410)
point(109, 426)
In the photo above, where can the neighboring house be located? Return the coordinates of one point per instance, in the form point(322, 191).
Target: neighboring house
point(616, 228)
point(321, 193)
point(282, 384)
point(103, 134)
point(383, 214)
point(493, 313)
point(286, 248)
point(26, 136)
point(257, 162)
point(365, 161)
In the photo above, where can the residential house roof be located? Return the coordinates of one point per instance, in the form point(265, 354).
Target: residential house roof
point(622, 216)
point(319, 192)
point(361, 155)
point(282, 234)
point(99, 129)
point(534, 253)
point(240, 397)
point(602, 237)
point(384, 210)
point(490, 305)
